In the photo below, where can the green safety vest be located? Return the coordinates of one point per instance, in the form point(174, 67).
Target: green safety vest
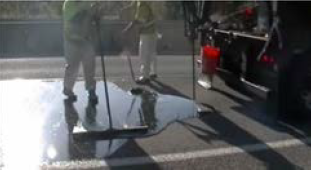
point(144, 14)
point(78, 18)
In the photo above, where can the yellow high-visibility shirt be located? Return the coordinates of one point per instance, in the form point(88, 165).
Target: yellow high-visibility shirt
point(144, 15)
point(78, 18)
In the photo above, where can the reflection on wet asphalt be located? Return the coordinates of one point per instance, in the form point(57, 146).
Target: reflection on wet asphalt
point(38, 123)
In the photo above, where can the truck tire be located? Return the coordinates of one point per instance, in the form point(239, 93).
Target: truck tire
point(295, 89)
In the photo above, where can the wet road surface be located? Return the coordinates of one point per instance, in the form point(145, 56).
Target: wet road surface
point(49, 120)
point(236, 133)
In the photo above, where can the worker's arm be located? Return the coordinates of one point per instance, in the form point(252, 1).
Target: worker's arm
point(131, 5)
point(148, 24)
point(131, 25)
point(96, 9)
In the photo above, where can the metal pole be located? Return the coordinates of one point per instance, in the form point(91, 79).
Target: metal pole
point(104, 71)
point(193, 70)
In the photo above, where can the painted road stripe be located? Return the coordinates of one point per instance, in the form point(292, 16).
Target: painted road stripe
point(164, 158)
point(175, 76)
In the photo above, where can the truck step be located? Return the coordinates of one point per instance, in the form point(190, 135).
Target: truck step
point(255, 89)
point(258, 90)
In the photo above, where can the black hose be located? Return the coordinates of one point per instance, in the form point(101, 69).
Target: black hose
point(129, 60)
point(104, 71)
point(274, 28)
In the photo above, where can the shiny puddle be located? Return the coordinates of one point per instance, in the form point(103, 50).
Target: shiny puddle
point(37, 124)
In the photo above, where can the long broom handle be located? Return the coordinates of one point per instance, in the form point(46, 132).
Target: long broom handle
point(193, 71)
point(104, 71)
point(129, 60)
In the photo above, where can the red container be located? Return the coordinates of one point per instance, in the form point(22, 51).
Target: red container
point(210, 58)
point(249, 12)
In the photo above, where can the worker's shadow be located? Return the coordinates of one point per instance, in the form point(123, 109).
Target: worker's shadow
point(163, 88)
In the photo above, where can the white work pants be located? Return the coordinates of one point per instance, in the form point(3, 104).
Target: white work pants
point(76, 54)
point(147, 53)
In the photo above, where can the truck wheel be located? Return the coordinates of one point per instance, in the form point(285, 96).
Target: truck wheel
point(295, 95)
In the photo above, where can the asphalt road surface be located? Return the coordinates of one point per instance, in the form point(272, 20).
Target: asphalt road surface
point(235, 133)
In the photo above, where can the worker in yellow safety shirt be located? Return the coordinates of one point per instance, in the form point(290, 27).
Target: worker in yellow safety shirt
point(79, 45)
point(145, 21)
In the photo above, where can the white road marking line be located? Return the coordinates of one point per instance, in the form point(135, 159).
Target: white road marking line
point(163, 158)
point(96, 77)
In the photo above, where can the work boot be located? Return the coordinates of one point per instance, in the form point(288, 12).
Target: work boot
point(93, 97)
point(70, 95)
point(142, 80)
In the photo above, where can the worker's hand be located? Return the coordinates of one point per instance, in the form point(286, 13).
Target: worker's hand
point(128, 27)
point(125, 30)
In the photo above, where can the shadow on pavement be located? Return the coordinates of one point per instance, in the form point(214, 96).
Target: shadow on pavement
point(252, 109)
point(132, 149)
point(255, 110)
point(298, 128)
point(229, 132)
point(163, 88)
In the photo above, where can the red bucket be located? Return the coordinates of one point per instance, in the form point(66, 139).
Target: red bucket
point(210, 58)
point(248, 12)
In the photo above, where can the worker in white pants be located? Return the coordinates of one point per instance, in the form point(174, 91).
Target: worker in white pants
point(145, 21)
point(147, 52)
point(79, 45)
